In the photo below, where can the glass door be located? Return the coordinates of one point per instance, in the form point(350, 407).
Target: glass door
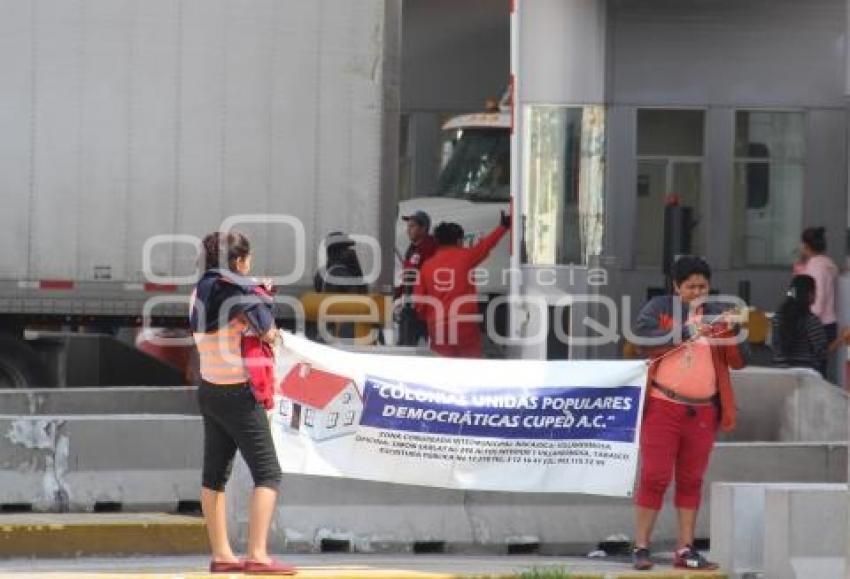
point(657, 180)
point(670, 145)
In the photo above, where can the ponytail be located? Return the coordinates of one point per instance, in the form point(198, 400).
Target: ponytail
point(221, 250)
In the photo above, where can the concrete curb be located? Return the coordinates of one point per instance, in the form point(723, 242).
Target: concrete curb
point(347, 573)
point(46, 536)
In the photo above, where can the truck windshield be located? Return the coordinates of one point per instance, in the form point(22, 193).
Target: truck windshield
point(478, 167)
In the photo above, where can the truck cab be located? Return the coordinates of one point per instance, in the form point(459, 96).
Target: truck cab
point(473, 187)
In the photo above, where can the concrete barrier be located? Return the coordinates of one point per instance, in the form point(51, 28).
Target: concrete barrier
point(370, 516)
point(100, 400)
point(805, 532)
point(748, 530)
point(781, 411)
point(61, 463)
point(72, 461)
point(787, 405)
point(847, 502)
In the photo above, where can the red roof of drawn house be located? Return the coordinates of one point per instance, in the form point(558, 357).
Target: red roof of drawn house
point(312, 387)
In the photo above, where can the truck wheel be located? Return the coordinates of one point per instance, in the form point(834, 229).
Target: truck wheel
point(20, 366)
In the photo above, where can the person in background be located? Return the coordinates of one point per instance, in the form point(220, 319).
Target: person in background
point(223, 310)
point(688, 395)
point(446, 277)
point(799, 337)
point(342, 272)
point(815, 263)
point(422, 246)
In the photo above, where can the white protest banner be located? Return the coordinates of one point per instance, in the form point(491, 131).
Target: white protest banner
point(501, 425)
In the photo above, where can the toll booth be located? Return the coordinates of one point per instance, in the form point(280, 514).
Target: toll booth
point(618, 105)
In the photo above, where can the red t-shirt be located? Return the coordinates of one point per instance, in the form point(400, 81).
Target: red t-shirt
point(446, 278)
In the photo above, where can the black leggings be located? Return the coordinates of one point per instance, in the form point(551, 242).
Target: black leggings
point(831, 333)
point(233, 419)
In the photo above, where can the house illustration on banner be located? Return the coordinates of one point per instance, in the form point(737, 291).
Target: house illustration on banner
point(322, 404)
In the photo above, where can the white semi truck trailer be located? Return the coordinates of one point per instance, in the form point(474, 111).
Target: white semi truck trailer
point(134, 124)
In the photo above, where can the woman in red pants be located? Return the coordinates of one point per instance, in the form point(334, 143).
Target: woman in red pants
point(689, 395)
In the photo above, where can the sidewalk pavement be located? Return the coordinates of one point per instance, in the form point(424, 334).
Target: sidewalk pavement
point(349, 566)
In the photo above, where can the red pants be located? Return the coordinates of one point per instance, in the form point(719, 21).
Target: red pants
point(674, 437)
point(467, 345)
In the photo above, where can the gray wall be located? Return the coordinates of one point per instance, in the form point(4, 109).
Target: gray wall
point(752, 52)
point(719, 56)
point(562, 56)
point(455, 54)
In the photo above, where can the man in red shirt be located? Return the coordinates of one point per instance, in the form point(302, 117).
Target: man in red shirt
point(446, 296)
point(422, 246)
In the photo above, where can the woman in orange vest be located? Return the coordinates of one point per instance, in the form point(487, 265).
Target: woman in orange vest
point(689, 396)
point(225, 310)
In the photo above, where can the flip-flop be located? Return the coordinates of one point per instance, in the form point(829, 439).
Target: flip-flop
point(227, 566)
point(271, 568)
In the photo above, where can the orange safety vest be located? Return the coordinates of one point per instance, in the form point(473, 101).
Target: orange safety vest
point(220, 354)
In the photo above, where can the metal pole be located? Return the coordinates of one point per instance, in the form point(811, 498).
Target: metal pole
point(517, 202)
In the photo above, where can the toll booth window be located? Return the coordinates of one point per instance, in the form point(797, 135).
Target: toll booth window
point(670, 144)
point(477, 166)
point(564, 184)
point(670, 132)
point(770, 153)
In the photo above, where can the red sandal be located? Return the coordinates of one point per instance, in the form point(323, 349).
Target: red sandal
point(227, 566)
point(273, 567)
